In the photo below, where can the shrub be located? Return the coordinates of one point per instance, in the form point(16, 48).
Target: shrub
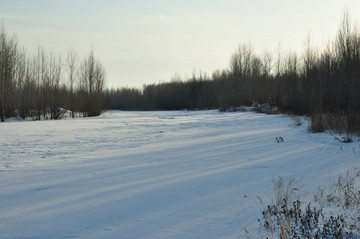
point(302, 220)
point(340, 123)
point(296, 222)
point(317, 124)
point(297, 120)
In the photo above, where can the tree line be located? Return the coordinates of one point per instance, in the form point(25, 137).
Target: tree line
point(321, 83)
point(43, 85)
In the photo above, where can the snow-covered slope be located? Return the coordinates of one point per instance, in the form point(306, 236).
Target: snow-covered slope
point(155, 174)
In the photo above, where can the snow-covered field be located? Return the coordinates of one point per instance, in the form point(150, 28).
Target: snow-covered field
point(155, 174)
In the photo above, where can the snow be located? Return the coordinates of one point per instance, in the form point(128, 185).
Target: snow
point(176, 174)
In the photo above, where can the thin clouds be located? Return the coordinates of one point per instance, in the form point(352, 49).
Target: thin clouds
point(169, 36)
point(174, 20)
point(13, 17)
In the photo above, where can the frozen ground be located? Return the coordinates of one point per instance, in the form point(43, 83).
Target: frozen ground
point(155, 174)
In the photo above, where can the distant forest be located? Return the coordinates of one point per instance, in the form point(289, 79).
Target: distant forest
point(44, 85)
point(321, 83)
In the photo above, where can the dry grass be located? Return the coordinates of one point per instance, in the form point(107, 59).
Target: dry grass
point(317, 124)
point(297, 120)
point(349, 189)
point(284, 189)
point(299, 221)
point(340, 123)
point(345, 191)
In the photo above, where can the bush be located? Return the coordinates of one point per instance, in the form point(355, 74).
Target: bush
point(340, 123)
point(266, 109)
point(309, 222)
point(317, 124)
point(297, 120)
point(297, 220)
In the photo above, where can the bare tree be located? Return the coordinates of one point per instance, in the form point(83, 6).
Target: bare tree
point(54, 76)
point(241, 60)
point(92, 76)
point(71, 68)
point(20, 80)
point(8, 53)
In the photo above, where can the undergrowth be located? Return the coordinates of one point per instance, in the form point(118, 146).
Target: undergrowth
point(339, 123)
point(307, 222)
point(333, 214)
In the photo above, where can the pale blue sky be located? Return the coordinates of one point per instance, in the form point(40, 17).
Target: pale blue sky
point(142, 42)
